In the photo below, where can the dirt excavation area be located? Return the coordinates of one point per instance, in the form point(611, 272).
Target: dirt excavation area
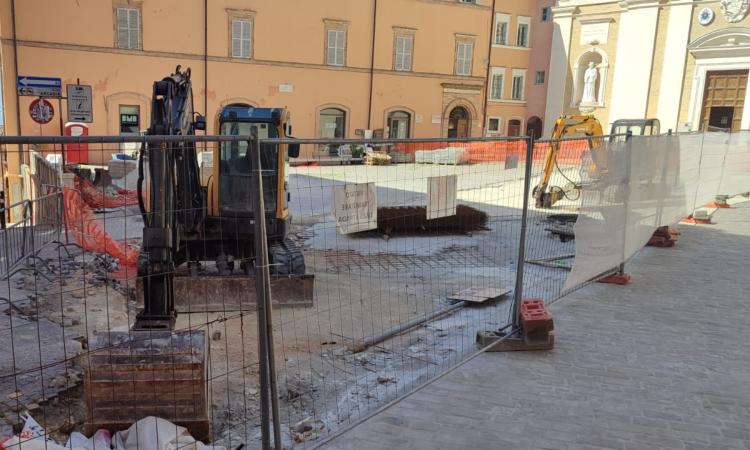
point(366, 284)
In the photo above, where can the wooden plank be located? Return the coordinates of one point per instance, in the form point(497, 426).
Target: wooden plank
point(144, 374)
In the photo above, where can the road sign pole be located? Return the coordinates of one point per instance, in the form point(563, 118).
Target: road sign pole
point(62, 131)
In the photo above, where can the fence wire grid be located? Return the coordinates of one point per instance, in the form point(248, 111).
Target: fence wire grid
point(396, 253)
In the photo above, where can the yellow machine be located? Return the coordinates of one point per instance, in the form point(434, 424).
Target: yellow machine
point(583, 126)
point(190, 219)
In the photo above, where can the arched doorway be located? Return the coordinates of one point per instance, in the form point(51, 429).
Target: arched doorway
point(399, 124)
point(534, 127)
point(458, 123)
point(514, 127)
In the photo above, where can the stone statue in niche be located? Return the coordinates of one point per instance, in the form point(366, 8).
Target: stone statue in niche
point(589, 85)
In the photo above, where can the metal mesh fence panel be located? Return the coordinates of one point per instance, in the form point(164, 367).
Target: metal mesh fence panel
point(403, 283)
point(364, 309)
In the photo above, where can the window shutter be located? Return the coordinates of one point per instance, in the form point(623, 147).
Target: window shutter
point(408, 42)
point(122, 28)
point(134, 28)
point(236, 42)
point(331, 47)
point(340, 46)
point(245, 39)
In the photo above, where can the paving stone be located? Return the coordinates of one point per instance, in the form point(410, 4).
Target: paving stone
point(660, 363)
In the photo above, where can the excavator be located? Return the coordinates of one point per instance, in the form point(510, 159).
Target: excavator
point(584, 127)
point(187, 223)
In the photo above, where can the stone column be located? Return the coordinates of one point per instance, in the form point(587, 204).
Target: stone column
point(559, 65)
point(633, 59)
point(673, 69)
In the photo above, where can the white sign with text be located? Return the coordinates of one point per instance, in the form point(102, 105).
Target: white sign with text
point(441, 196)
point(596, 32)
point(355, 207)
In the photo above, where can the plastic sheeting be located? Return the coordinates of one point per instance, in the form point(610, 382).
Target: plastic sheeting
point(632, 188)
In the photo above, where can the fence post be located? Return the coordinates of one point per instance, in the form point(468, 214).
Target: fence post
point(267, 363)
point(629, 140)
point(518, 291)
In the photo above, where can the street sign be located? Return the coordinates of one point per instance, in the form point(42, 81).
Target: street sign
point(39, 86)
point(41, 111)
point(79, 103)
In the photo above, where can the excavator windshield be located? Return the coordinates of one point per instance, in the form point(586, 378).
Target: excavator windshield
point(235, 176)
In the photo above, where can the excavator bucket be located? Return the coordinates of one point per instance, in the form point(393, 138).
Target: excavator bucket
point(134, 374)
point(214, 293)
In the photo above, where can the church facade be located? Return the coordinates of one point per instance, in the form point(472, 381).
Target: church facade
point(684, 62)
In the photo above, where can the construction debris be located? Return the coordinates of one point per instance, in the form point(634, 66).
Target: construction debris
point(376, 159)
point(450, 155)
point(410, 220)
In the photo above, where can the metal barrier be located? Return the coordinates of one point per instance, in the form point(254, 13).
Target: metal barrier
point(16, 237)
point(409, 249)
point(42, 223)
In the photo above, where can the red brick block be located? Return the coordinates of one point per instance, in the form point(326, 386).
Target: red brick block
point(534, 316)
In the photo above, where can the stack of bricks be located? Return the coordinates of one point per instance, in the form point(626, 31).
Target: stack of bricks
point(536, 322)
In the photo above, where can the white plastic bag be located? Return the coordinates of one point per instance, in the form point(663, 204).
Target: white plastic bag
point(101, 440)
point(154, 433)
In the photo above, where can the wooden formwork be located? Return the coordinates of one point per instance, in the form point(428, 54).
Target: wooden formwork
point(135, 374)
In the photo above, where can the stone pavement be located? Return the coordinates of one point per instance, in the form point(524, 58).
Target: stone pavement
point(661, 363)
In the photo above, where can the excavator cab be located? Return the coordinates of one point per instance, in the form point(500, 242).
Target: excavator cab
point(638, 127)
point(230, 188)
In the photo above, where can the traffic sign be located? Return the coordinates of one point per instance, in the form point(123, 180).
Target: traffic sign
point(79, 103)
point(39, 86)
point(41, 111)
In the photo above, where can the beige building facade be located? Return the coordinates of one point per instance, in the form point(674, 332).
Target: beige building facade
point(684, 62)
point(402, 68)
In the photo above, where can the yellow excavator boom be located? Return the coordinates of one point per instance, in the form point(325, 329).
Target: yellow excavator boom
point(585, 126)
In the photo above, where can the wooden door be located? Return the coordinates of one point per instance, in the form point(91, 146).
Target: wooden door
point(724, 90)
point(462, 128)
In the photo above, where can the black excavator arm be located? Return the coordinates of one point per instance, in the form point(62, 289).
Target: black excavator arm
point(176, 204)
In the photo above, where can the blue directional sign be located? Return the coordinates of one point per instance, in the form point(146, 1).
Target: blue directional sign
point(39, 86)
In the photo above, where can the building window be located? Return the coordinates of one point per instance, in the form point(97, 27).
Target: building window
point(517, 89)
point(539, 78)
point(522, 35)
point(130, 119)
point(502, 22)
point(332, 123)
point(335, 43)
point(464, 53)
point(493, 125)
point(514, 127)
point(241, 38)
point(128, 28)
point(546, 13)
point(472, 2)
point(403, 45)
point(497, 82)
point(398, 125)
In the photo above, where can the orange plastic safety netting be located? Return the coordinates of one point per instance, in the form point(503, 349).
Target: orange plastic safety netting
point(89, 234)
point(498, 151)
point(105, 197)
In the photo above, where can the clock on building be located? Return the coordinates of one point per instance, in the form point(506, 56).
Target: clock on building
point(706, 16)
